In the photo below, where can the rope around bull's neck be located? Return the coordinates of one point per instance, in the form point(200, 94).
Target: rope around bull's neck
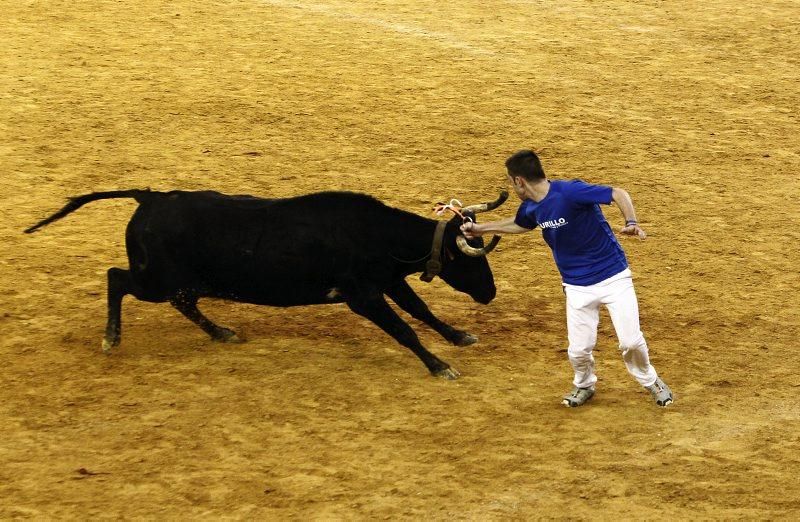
point(423, 258)
point(455, 207)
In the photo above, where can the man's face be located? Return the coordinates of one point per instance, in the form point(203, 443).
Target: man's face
point(519, 188)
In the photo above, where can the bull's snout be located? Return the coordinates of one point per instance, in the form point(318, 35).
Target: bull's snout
point(487, 296)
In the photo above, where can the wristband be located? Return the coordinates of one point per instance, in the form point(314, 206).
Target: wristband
point(631, 222)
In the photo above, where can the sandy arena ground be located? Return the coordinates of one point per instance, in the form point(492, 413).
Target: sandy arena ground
point(691, 106)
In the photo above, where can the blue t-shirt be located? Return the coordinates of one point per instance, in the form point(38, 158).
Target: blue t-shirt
point(584, 246)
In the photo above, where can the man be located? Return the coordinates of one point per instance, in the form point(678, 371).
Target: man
point(593, 267)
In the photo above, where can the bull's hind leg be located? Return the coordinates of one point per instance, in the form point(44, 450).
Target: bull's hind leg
point(187, 305)
point(119, 285)
point(405, 297)
point(376, 309)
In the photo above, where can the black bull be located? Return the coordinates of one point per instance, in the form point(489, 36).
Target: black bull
point(330, 247)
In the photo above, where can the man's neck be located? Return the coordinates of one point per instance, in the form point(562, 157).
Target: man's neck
point(537, 191)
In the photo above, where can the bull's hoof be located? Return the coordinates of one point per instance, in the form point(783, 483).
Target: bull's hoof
point(227, 336)
point(451, 374)
point(465, 339)
point(108, 345)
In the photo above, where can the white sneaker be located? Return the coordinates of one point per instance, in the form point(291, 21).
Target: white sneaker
point(660, 392)
point(577, 397)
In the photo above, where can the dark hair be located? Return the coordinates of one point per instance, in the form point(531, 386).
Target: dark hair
point(525, 164)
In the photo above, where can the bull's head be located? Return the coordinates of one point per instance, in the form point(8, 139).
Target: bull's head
point(464, 264)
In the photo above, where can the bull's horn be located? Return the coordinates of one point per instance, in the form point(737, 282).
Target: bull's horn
point(471, 251)
point(485, 207)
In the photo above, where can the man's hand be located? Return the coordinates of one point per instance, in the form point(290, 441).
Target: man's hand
point(471, 230)
point(633, 229)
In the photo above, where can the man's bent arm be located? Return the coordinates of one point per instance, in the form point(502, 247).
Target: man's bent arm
point(625, 204)
point(623, 201)
point(504, 226)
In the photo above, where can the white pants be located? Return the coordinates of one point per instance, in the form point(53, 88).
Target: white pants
point(583, 316)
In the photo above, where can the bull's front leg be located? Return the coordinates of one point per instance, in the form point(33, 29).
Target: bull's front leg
point(119, 285)
point(186, 304)
point(405, 297)
point(375, 308)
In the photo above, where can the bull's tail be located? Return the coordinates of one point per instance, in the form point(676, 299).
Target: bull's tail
point(77, 202)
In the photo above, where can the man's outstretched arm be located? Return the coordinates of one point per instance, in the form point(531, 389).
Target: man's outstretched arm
point(504, 226)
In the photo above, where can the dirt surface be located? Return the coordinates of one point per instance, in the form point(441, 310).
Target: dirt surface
point(692, 107)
